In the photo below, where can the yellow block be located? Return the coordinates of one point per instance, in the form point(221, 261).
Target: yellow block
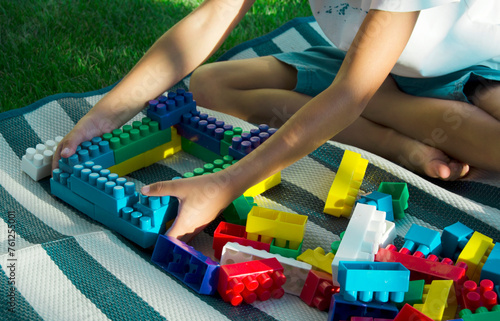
point(478, 247)
point(318, 259)
point(345, 187)
point(439, 300)
point(264, 185)
point(281, 226)
point(149, 157)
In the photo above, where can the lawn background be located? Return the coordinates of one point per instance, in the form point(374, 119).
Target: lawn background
point(55, 46)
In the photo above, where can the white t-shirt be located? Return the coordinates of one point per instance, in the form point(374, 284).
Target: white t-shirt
point(449, 35)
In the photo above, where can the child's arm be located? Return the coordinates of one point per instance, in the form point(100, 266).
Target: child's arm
point(174, 55)
point(375, 49)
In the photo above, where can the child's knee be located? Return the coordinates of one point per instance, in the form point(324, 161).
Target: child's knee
point(204, 85)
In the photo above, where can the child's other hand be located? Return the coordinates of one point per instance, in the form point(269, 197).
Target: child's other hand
point(91, 125)
point(201, 200)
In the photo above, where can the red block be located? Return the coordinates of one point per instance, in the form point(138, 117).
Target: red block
point(227, 232)
point(409, 313)
point(250, 281)
point(483, 296)
point(318, 290)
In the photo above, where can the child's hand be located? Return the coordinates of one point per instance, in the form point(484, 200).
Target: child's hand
point(201, 200)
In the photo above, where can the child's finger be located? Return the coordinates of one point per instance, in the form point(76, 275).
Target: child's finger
point(160, 189)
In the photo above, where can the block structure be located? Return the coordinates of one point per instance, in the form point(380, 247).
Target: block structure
point(295, 272)
point(346, 184)
point(168, 110)
point(37, 162)
point(191, 267)
point(249, 281)
point(96, 150)
point(244, 143)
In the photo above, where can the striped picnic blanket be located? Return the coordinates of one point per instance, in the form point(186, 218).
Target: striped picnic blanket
point(58, 264)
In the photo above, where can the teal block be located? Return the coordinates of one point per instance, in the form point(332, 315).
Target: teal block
point(59, 187)
point(198, 151)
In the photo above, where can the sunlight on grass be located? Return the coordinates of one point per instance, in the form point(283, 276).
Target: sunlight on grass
point(54, 46)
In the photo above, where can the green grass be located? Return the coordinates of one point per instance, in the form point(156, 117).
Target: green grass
point(54, 46)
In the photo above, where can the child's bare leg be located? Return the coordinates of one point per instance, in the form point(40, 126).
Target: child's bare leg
point(260, 90)
point(463, 131)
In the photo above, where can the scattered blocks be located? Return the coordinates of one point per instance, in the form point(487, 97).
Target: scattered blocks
point(341, 309)
point(318, 259)
point(37, 162)
point(475, 253)
point(318, 290)
point(227, 232)
point(453, 240)
point(439, 300)
point(286, 228)
point(364, 280)
point(295, 272)
point(400, 196)
point(346, 184)
point(249, 281)
point(474, 297)
point(185, 263)
point(423, 240)
point(168, 110)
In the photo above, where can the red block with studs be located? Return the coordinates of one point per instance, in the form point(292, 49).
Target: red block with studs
point(483, 296)
point(249, 281)
point(318, 290)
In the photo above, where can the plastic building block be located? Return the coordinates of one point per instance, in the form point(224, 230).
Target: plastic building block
point(361, 238)
point(346, 184)
point(415, 292)
point(198, 151)
point(481, 314)
point(475, 253)
point(263, 186)
point(400, 196)
point(389, 234)
point(185, 263)
point(286, 252)
point(490, 268)
point(238, 210)
point(96, 150)
point(59, 186)
point(439, 300)
point(37, 162)
point(341, 309)
point(295, 271)
point(453, 239)
point(249, 281)
point(318, 290)
point(424, 268)
point(422, 239)
point(287, 228)
point(335, 244)
point(149, 157)
point(409, 313)
point(474, 297)
point(382, 201)
point(135, 139)
point(227, 232)
point(203, 130)
point(364, 280)
point(101, 187)
point(242, 145)
point(168, 110)
point(318, 259)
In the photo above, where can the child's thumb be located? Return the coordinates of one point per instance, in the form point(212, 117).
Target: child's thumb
point(159, 189)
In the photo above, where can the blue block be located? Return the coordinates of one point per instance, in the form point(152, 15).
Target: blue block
point(196, 270)
point(59, 187)
point(382, 201)
point(423, 239)
point(203, 130)
point(159, 209)
point(454, 239)
point(362, 280)
point(96, 150)
point(168, 110)
point(341, 309)
point(491, 270)
point(249, 141)
point(102, 188)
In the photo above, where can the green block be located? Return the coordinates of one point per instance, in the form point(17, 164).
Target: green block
point(481, 314)
point(135, 139)
point(196, 150)
point(286, 252)
point(414, 294)
point(237, 211)
point(336, 244)
point(400, 196)
point(226, 142)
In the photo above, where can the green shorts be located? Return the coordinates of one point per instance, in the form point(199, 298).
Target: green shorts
point(318, 66)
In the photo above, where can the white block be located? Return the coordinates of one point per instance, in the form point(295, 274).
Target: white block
point(389, 234)
point(37, 162)
point(295, 271)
